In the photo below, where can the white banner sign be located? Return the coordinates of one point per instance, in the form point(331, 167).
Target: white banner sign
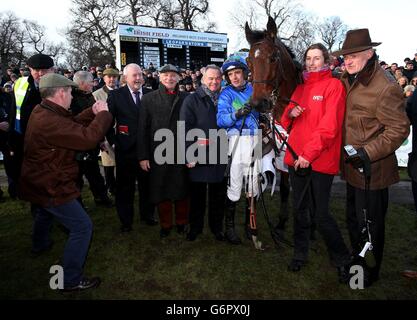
point(172, 34)
point(151, 48)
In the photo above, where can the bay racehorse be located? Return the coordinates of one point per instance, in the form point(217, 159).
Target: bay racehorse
point(275, 75)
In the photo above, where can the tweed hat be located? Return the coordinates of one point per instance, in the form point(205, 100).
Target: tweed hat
point(110, 72)
point(169, 68)
point(54, 80)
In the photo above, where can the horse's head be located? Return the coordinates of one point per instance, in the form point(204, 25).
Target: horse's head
point(273, 71)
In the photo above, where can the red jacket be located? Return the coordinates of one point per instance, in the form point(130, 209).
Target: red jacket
point(316, 134)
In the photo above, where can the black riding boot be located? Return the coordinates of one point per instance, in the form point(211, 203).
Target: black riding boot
point(230, 233)
point(283, 215)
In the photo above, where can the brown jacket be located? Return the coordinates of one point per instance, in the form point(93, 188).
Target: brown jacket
point(375, 120)
point(53, 136)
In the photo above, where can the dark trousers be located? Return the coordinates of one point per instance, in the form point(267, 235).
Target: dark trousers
point(216, 201)
point(128, 172)
point(15, 165)
point(91, 170)
point(110, 179)
point(181, 213)
point(73, 217)
point(377, 210)
point(316, 198)
point(414, 189)
point(8, 167)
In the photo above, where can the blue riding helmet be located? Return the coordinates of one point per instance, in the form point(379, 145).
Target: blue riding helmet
point(234, 62)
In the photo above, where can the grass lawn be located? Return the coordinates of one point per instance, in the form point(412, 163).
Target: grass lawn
point(140, 265)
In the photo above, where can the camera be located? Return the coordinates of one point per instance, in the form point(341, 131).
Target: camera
point(83, 156)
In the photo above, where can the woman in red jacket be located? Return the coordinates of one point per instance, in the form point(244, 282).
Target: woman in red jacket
point(315, 119)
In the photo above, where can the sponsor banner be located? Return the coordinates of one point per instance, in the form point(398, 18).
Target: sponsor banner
point(171, 34)
point(184, 43)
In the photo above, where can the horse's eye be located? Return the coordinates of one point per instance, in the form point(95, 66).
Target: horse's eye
point(273, 59)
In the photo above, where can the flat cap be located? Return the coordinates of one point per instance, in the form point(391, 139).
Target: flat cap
point(110, 72)
point(169, 68)
point(54, 80)
point(40, 61)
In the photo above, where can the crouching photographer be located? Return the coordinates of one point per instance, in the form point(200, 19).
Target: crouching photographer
point(49, 172)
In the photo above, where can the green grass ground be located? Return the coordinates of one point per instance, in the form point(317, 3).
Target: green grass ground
point(140, 265)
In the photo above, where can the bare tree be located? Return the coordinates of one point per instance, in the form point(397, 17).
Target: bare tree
point(96, 19)
point(12, 40)
point(135, 9)
point(36, 35)
point(165, 13)
point(332, 31)
point(189, 10)
point(303, 38)
point(294, 25)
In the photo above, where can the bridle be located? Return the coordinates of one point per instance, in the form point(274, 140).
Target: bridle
point(275, 93)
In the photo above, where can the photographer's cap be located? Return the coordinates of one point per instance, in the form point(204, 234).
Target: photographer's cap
point(54, 80)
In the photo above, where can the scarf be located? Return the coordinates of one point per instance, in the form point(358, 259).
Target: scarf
point(214, 95)
point(306, 74)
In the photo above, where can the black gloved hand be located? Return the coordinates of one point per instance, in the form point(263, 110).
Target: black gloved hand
point(359, 160)
point(245, 110)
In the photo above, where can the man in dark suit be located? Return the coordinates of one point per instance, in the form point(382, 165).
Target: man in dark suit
point(124, 104)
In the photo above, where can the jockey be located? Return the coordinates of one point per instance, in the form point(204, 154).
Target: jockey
point(241, 123)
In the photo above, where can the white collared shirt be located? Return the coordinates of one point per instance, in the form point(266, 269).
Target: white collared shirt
point(134, 95)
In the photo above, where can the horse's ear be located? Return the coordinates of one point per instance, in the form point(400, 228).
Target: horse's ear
point(271, 28)
point(248, 33)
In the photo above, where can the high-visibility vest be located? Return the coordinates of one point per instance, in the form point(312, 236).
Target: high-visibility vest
point(20, 88)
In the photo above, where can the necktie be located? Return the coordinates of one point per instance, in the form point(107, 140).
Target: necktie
point(137, 95)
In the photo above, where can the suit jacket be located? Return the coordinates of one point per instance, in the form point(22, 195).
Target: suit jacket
point(126, 116)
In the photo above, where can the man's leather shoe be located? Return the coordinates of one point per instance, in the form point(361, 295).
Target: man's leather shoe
point(409, 274)
point(125, 229)
point(191, 236)
point(219, 236)
point(150, 222)
point(180, 228)
point(164, 233)
point(84, 284)
point(343, 274)
point(296, 265)
point(105, 202)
